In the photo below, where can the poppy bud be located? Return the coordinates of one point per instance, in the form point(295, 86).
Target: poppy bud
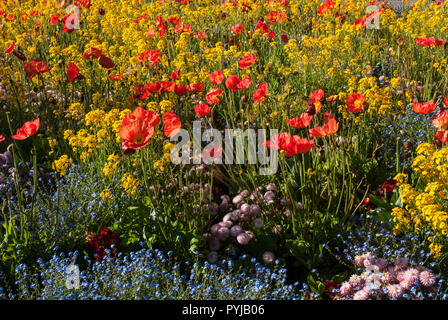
point(19, 55)
point(127, 151)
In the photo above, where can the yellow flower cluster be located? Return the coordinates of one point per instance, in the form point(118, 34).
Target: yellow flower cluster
point(130, 183)
point(425, 210)
point(62, 164)
point(112, 163)
point(106, 195)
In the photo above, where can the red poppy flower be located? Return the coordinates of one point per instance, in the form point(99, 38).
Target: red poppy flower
point(260, 94)
point(175, 75)
point(136, 134)
point(196, 87)
point(278, 141)
point(314, 103)
point(284, 38)
point(106, 62)
point(237, 28)
point(356, 103)
point(300, 122)
point(92, 52)
point(149, 116)
point(180, 90)
point(327, 5)
point(442, 136)
point(11, 47)
point(202, 110)
point(2, 138)
point(247, 61)
point(430, 41)
point(276, 16)
point(262, 26)
point(28, 129)
point(244, 84)
point(232, 82)
point(213, 96)
point(171, 124)
point(33, 68)
point(328, 129)
point(173, 20)
point(216, 77)
point(445, 101)
point(361, 22)
point(440, 121)
point(72, 72)
point(54, 20)
point(115, 77)
point(424, 107)
point(152, 56)
point(297, 145)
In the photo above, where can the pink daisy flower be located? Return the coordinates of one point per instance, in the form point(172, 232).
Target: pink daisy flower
point(346, 289)
point(394, 291)
point(427, 279)
point(362, 294)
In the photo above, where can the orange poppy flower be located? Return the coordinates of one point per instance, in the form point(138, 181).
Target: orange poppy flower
point(260, 94)
point(202, 110)
point(424, 107)
point(149, 116)
point(442, 136)
point(276, 16)
point(324, 7)
point(152, 56)
point(72, 72)
point(33, 68)
point(213, 96)
point(300, 122)
point(356, 103)
point(171, 124)
point(247, 61)
point(28, 129)
point(115, 77)
point(328, 129)
point(216, 77)
point(440, 121)
point(136, 134)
